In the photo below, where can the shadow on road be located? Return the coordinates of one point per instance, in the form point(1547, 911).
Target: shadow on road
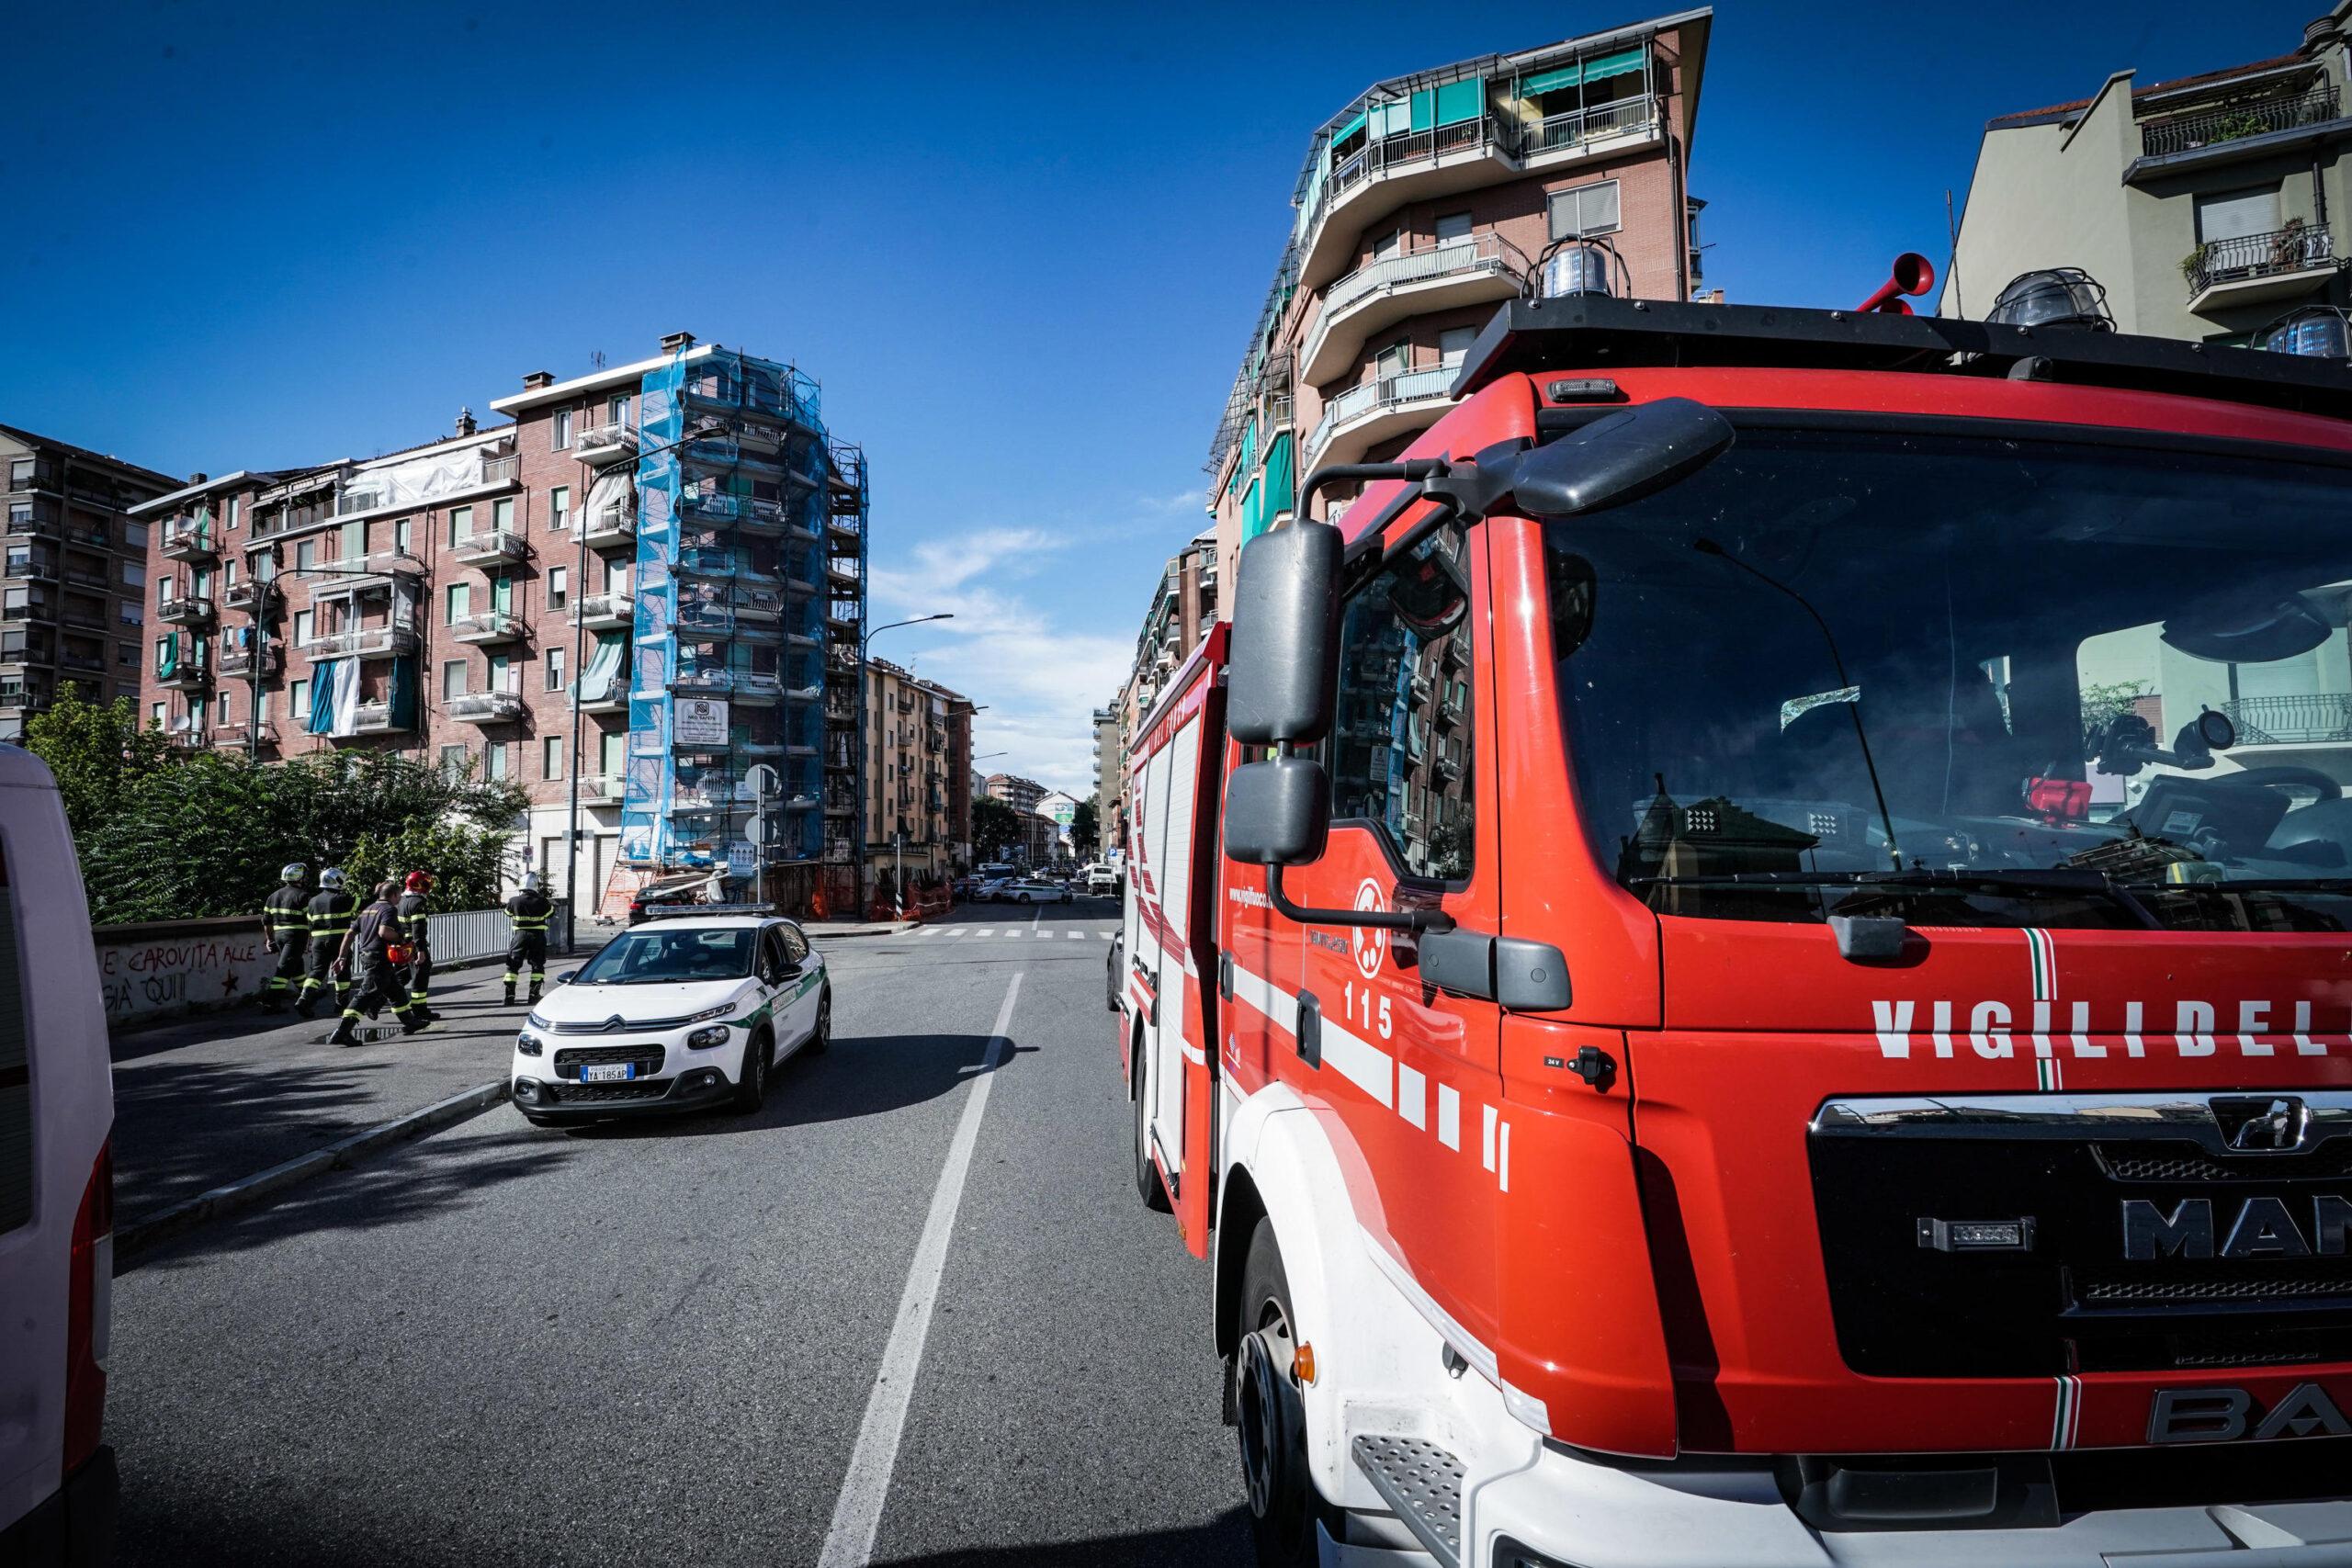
point(1224, 1542)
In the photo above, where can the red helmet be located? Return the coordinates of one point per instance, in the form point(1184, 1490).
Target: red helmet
point(418, 881)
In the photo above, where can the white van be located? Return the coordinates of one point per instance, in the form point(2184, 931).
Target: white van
point(57, 1480)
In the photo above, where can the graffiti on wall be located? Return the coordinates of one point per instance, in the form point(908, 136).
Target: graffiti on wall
point(145, 977)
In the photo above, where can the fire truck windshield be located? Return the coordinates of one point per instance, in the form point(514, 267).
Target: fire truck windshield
point(2076, 682)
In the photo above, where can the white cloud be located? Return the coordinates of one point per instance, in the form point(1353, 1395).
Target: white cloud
point(1040, 682)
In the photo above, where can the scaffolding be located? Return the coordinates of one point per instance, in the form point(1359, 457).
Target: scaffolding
point(730, 657)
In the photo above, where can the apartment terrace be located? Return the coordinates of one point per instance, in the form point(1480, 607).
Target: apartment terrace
point(1372, 412)
point(2255, 269)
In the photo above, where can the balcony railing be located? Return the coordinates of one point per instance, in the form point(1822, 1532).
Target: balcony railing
point(614, 700)
point(604, 610)
point(489, 627)
point(495, 547)
point(611, 526)
point(185, 611)
point(191, 541)
point(1628, 116)
point(32, 568)
point(603, 446)
point(2302, 718)
point(238, 596)
point(602, 786)
point(1476, 254)
point(375, 718)
point(362, 642)
point(2247, 256)
point(484, 707)
point(1372, 397)
point(240, 660)
point(2234, 122)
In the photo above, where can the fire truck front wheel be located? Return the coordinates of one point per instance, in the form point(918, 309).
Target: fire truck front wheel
point(1272, 1418)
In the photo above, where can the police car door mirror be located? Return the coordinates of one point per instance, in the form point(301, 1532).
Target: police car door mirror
point(1619, 457)
point(1277, 812)
point(1285, 636)
point(568, 977)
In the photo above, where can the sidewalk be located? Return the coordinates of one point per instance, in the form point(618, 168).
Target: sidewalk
point(220, 1096)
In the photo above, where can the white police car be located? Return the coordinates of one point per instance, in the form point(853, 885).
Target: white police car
point(694, 1007)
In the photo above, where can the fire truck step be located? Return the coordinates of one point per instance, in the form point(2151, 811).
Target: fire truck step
point(1423, 1483)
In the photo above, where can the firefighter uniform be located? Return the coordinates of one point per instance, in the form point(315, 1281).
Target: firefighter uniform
point(286, 930)
point(382, 983)
point(417, 934)
point(331, 914)
point(529, 911)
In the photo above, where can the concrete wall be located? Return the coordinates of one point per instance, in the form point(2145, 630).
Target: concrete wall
point(2052, 196)
point(158, 971)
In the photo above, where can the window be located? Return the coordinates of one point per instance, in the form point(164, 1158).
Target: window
point(304, 622)
point(20, 518)
point(453, 760)
point(462, 602)
point(551, 756)
point(126, 655)
point(560, 431)
point(226, 716)
point(230, 514)
point(1453, 226)
point(1388, 244)
point(166, 588)
point(400, 535)
point(796, 946)
point(135, 536)
point(461, 523)
point(559, 585)
point(155, 714)
point(616, 576)
point(133, 575)
point(131, 613)
point(555, 670)
point(1453, 345)
point(261, 707)
point(1587, 209)
point(298, 698)
point(616, 409)
point(493, 760)
point(306, 554)
point(21, 471)
point(1409, 619)
point(2234, 214)
point(502, 512)
point(453, 679)
point(559, 509)
point(502, 674)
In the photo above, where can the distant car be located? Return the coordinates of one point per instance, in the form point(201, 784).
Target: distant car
point(989, 889)
point(1036, 890)
point(685, 1011)
point(1103, 879)
point(964, 887)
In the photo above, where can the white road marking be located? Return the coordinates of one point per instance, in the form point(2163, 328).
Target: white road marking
point(1075, 936)
point(857, 1512)
point(1036, 918)
point(957, 932)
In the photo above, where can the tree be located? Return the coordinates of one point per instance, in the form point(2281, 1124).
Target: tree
point(994, 825)
point(1086, 829)
point(97, 752)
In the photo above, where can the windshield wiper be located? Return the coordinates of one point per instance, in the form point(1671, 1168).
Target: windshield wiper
point(2340, 886)
point(2070, 883)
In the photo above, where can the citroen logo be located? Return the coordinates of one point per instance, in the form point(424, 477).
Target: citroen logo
point(2262, 1124)
point(613, 1022)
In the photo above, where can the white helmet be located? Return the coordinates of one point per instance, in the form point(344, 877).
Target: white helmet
point(330, 879)
point(530, 881)
point(292, 871)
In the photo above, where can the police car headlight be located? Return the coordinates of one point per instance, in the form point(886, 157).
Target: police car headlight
point(720, 1011)
point(701, 1038)
point(534, 1020)
point(528, 1044)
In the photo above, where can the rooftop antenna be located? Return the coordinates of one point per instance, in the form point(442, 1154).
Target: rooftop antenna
point(596, 355)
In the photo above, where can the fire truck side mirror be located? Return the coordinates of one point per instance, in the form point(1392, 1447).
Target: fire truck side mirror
point(1286, 636)
point(1619, 457)
point(1277, 812)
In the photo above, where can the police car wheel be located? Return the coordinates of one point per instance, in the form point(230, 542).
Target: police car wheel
point(751, 1091)
point(821, 1037)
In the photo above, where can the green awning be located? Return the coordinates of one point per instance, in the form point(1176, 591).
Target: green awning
point(1596, 70)
point(1355, 123)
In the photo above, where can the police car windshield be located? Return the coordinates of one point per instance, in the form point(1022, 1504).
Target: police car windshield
point(644, 958)
point(2074, 683)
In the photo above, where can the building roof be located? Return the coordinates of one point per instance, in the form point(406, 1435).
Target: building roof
point(2154, 89)
point(84, 454)
point(596, 381)
point(260, 479)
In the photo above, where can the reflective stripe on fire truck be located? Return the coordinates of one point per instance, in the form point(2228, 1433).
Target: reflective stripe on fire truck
point(2068, 1419)
point(1382, 1077)
point(2042, 960)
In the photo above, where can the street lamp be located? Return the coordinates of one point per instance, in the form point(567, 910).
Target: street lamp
point(859, 864)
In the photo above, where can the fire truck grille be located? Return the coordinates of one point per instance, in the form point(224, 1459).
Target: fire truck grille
point(2069, 1293)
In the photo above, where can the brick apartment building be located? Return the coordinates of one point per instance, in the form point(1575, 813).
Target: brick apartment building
point(919, 744)
point(73, 596)
point(1425, 202)
point(446, 600)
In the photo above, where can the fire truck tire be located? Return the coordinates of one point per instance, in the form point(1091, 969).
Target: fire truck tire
point(1111, 978)
point(1272, 1418)
point(758, 1053)
point(1148, 1184)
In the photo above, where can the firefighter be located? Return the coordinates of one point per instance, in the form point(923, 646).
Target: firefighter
point(284, 929)
point(329, 915)
point(416, 933)
point(529, 911)
point(374, 947)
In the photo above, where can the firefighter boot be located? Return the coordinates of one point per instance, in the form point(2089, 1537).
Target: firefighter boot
point(415, 1020)
point(535, 990)
point(306, 1005)
point(510, 992)
point(346, 1032)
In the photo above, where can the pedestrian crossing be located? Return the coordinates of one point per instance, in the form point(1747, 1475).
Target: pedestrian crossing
point(1008, 932)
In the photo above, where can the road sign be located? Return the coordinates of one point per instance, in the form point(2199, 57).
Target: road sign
point(743, 859)
point(701, 721)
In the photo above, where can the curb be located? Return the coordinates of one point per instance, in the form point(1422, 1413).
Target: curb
point(185, 1215)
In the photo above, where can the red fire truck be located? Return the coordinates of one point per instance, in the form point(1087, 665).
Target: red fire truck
point(1747, 963)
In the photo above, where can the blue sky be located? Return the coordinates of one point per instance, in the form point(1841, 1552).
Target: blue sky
point(1020, 247)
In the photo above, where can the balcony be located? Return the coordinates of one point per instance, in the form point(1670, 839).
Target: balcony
point(85, 577)
point(376, 718)
point(1477, 270)
point(762, 519)
point(191, 542)
point(32, 568)
point(188, 610)
point(2210, 130)
point(615, 700)
point(489, 627)
point(186, 675)
point(493, 546)
point(15, 698)
point(611, 527)
point(605, 445)
point(1395, 171)
point(603, 789)
point(2259, 269)
point(606, 610)
point(715, 506)
point(2302, 718)
point(240, 735)
point(188, 740)
point(484, 707)
point(361, 642)
point(42, 520)
point(240, 661)
point(238, 596)
point(1374, 411)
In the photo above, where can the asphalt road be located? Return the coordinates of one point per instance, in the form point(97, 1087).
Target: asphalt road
point(661, 1342)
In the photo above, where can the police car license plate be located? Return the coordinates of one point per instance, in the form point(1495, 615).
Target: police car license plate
point(608, 1072)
